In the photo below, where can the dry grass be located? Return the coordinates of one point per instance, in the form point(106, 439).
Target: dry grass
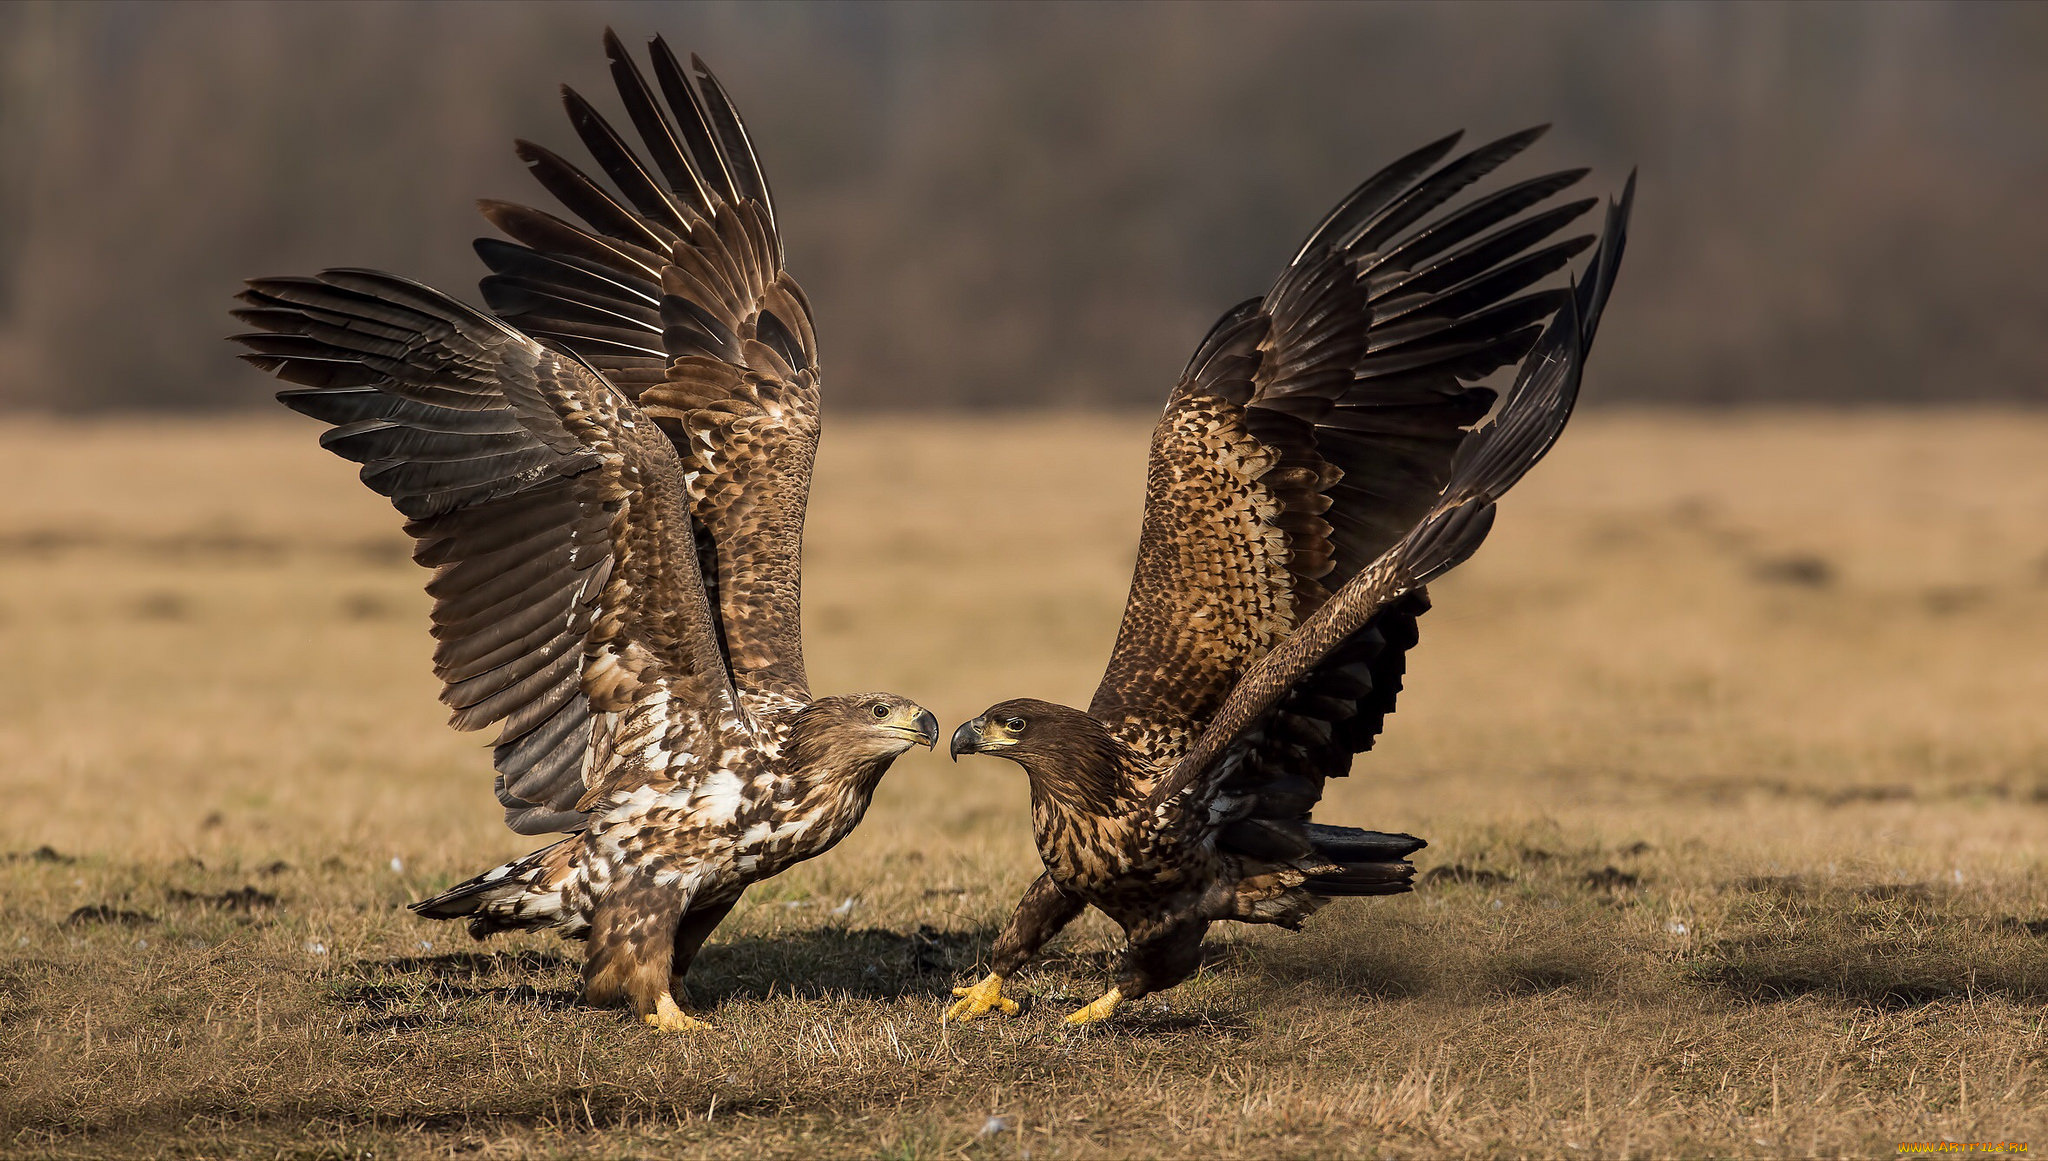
point(1729, 748)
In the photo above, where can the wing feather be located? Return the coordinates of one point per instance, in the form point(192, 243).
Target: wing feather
point(1276, 717)
point(1315, 425)
point(565, 581)
point(674, 289)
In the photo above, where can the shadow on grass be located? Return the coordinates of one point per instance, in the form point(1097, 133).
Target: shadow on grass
point(870, 964)
point(298, 1128)
point(474, 965)
point(1869, 974)
point(1367, 971)
point(1379, 962)
point(1139, 1022)
point(1885, 946)
point(828, 963)
point(1540, 974)
point(1394, 957)
point(406, 993)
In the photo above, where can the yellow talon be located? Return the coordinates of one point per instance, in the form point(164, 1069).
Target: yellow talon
point(670, 1018)
point(978, 999)
point(1099, 1010)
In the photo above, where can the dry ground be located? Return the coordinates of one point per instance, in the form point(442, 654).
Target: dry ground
point(1729, 747)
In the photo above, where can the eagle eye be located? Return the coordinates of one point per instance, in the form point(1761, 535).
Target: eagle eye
point(879, 710)
point(1014, 725)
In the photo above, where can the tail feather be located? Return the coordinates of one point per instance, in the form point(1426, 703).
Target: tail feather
point(1292, 868)
point(525, 893)
point(1363, 879)
point(1368, 862)
point(1349, 844)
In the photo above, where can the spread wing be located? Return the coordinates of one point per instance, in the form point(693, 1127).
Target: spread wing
point(566, 582)
point(673, 289)
point(1291, 720)
point(1315, 425)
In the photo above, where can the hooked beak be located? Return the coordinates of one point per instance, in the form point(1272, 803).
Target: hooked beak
point(927, 729)
point(967, 739)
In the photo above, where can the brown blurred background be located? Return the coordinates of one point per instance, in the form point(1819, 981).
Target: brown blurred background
point(1012, 206)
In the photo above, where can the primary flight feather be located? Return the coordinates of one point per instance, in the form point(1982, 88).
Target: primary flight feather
point(609, 478)
point(1320, 461)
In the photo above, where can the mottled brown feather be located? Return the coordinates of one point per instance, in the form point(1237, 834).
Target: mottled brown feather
point(1314, 426)
point(566, 582)
point(1487, 462)
point(676, 293)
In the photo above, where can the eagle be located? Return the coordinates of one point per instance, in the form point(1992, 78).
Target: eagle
point(608, 478)
point(1329, 450)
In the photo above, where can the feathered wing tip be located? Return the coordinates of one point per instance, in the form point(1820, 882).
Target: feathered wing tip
point(1358, 373)
point(440, 405)
point(664, 275)
point(1398, 196)
point(1600, 273)
point(1376, 191)
point(702, 159)
point(1404, 192)
point(511, 463)
point(1496, 456)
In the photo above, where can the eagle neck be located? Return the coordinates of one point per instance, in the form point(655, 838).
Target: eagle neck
point(1091, 773)
point(818, 756)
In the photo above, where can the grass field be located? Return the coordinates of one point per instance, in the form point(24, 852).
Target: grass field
point(1730, 748)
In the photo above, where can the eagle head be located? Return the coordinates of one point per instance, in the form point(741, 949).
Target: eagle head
point(1066, 753)
point(864, 727)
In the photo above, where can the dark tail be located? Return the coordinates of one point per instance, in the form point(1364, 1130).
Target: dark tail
point(1372, 862)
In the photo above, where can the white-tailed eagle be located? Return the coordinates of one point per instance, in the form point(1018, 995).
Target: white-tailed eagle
point(608, 479)
point(1321, 460)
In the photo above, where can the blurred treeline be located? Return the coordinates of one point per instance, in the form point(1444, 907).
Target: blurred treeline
point(1028, 205)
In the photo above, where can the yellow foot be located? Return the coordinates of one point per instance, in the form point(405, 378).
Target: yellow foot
point(977, 1000)
point(1099, 1010)
point(670, 1018)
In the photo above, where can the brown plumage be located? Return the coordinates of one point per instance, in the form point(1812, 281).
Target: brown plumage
point(1321, 460)
point(609, 480)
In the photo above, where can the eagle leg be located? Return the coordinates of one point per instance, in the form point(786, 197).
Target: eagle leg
point(1099, 1010)
point(979, 999)
point(691, 933)
point(632, 945)
point(1045, 909)
point(1163, 951)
